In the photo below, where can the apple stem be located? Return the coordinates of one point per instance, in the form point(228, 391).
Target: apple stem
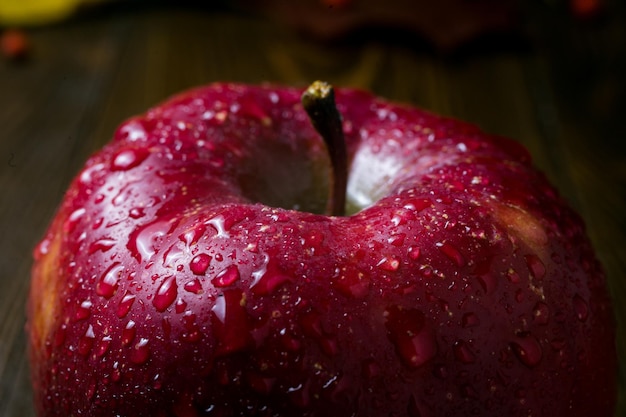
point(319, 102)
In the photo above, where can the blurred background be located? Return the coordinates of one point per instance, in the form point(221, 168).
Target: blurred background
point(548, 73)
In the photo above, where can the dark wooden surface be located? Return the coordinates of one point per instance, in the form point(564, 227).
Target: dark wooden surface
point(563, 96)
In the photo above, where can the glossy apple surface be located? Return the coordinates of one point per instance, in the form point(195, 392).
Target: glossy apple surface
point(191, 270)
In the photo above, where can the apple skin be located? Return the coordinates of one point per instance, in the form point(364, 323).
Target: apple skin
point(191, 271)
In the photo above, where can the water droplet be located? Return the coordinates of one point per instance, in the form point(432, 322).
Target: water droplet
point(173, 254)
point(413, 340)
point(107, 286)
point(136, 212)
point(513, 276)
point(60, 335)
point(536, 267)
point(370, 368)
point(353, 283)
point(414, 252)
point(194, 286)
point(527, 349)
point(83, 311)
point(144, 241)
point(192, 330)
point(166, 293)
point(128, 158)
point(541, 313)
point(73, 219)
point(86, 342)
point(192, 235)
point(469, 320)
point(200, 263)
point(42, 248)
point(181, 305)
point(103, 346)
point(397, 240)
point(128, 334)
point(102, 245)
point(125, 304)
point(581, 308)
point(463, 352)
point(218, 224)
point(417, 204)
point(388, 264)
point(313, 241)
point(487, 279)
point(441, 372)
point(140, 352)
point(268, 278)
point(329, 346)
point(230, 322)
point(467, 391)
point(226, 277)
point(116, 374)
point(452, 253)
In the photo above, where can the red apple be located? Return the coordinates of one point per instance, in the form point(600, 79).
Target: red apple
point(193, 269)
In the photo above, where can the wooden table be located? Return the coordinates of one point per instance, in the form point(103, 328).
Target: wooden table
point(562, 96)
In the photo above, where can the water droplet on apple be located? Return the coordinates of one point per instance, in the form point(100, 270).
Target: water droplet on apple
point(370, 368)
point(462, 352)
point(535, 266)
point(313, 240)
point(217, 223)
point(107, 286)
point(414, 342)
point(513, 276)
point(128, 158)
point(581, 308)
point(42, 248)
point(103, 346)
point(414, 252)
point(91, 389)
point(541, 313)
point(200, 263)
point(86, 341)
point(268, 278)
point(226, 277)
point(469, 320)
point(170, 256)
point(144, 240)
point(441, 372)
point(329, 345)
point(452, 253)
point(116, 374)
point(230, 322)
point(83, 311)
point(102, 245)
point(166, 293)
point(194, 286)
point(128, 334)
point(388, 264)
point(140, 352)
point(180, 306)
point(60, 335)
point(136, 212)
point(352, 282)
point(73, 219)
point(417, 204)
point(125, 304)
point(192, 330)
point(527, 349)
